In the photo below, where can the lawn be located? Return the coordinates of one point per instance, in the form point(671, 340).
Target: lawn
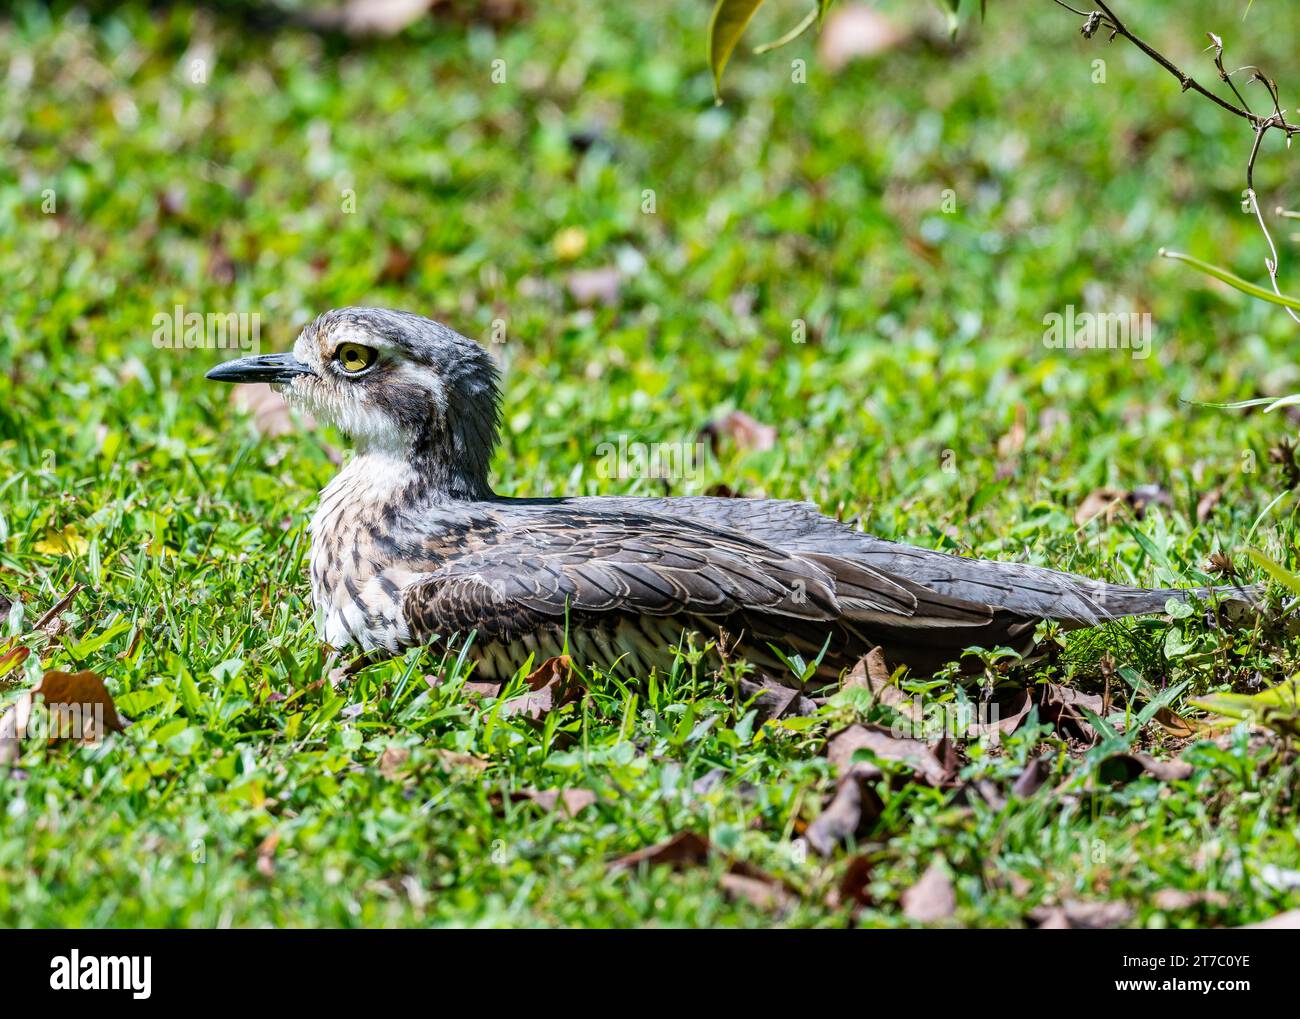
point(863, 261)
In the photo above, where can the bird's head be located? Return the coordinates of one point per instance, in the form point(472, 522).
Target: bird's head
point(399, 384)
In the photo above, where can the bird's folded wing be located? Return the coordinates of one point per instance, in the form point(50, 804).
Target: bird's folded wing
point(541, 565)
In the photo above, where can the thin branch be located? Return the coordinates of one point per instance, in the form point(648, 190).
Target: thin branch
point(1271, 263)
point(1108, 20)
point(1184, 79)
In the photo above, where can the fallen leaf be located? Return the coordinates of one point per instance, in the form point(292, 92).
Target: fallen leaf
point(1075, 915)
point(13, 658)
point(1011, 444)
point(1008, 720)
point(392, 761)
point(1174, 723)
point(266, 854)
point(744, 431)
point(64, 542)
point(741, 880)
point(1288, 921)
point(550, 686)
point(1172, 900)
point(1032, 778)
point(473, 688)
point(573, 801)
point(853, 809)
point(841, 747)
point(1147, 495)
point(872, 673)
point(764, 892)
point(932, 898)
point(1110, 502)
point(371, 17)
point(1102, 501)
point(854, 32)
point(595, 286)
point(453, 760)
point(683, 848)
point(1125, 767)
point(854, 885)
point(1207, 504)
point(79, 707)
point(1060, 705)
point(774, 700)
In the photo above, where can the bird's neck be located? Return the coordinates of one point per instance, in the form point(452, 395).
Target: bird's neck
point(437, 465)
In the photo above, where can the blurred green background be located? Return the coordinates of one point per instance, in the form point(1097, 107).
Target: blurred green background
point(919, 211)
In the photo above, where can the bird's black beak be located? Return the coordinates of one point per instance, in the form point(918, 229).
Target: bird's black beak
point(264, 368)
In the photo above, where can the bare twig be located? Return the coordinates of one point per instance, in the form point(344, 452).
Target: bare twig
point(1105, 19)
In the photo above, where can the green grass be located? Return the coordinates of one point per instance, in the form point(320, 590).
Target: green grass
point(818, 202)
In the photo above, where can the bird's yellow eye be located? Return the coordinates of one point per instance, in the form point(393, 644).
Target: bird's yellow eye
point(353, 357)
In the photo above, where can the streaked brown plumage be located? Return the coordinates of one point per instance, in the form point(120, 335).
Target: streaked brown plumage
point(410, 544)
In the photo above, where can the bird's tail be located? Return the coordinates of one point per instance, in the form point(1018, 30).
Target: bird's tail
point(1031, 591)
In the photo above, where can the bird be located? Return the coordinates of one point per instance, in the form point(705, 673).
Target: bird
point(410, 546)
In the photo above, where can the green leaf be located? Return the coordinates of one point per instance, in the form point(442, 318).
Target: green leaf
point(1233, 280)
point(1284, 577)
point(1277, 708)
point(726, 26)
point(809, 19)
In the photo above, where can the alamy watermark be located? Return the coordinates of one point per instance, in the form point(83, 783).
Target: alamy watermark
point(671, 461)
point(1100, 330)
point(190, 330)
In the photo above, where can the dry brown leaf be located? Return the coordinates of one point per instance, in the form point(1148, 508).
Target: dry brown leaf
point(72, 700)
point(571, 801)
point(854, 888)
point(48, 623)
point(473, 688)
point(397, 266)
point(1078, 915)
point(932, 898)
point(1102, 501)
point(550, 686)
point(1207, 504)
point(1009, 719)
point(774, 700)
point(1125, 767)
point(1011, 444)
point(1288, 921)
point(872, 673)
point(683, 848)
point(1060, 705)
point(266, 854)
point(13, 658)
point(371, 17)
point(1032, 778)
point(841, 747)
point(392, 762)
point(764, 892)
point(1175, 724)
point(856, 31)
point(1111, 502)
point(1172, 900)
point(453, 760)
point(852, 810)
point(744, 431)
point(741, 881)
